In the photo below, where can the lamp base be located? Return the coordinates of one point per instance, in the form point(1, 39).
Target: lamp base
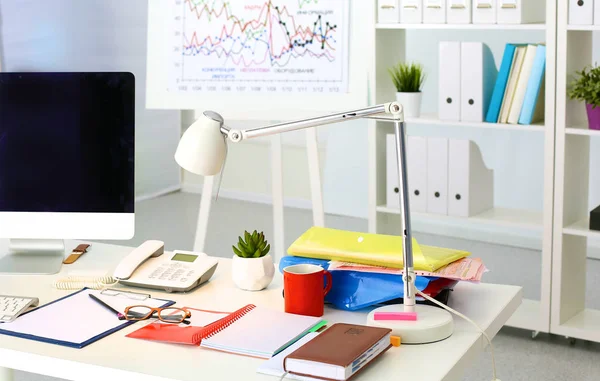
point(432, 324)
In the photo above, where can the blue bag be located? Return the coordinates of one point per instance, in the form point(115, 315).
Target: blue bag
point(353, 290)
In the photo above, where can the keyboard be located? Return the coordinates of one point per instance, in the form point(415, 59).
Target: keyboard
point(12, 306)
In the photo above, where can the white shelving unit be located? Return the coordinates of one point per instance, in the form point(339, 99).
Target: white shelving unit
point(390, 48)
point(463, 26)
point(433, 120)
point(570, 317)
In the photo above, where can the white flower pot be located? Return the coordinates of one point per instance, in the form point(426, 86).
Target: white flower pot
point(252, 274)
point(411, 103)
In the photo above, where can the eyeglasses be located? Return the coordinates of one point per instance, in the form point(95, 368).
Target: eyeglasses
point(167, 315)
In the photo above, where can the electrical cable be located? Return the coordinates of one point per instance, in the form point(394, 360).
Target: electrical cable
point(432, 300)
point(79, 282)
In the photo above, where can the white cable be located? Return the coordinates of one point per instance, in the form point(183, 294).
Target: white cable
point(79, 282)
point(427, 297)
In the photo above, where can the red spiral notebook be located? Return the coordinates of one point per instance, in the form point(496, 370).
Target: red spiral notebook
point(250, 331)
point(202, 324)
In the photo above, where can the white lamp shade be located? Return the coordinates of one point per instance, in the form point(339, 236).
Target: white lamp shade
point(202, 147)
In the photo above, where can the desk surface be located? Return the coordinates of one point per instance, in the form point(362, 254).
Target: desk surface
point(119, 358)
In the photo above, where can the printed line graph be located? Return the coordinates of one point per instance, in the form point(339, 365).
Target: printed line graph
point(260, 46)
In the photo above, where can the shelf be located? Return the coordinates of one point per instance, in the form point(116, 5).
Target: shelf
point(463, 26)
point(432, 119)
point(581, 228)
point(582, 131)
point(524, 219)
point(527, 316)
point(585, 325)
point(583, 27)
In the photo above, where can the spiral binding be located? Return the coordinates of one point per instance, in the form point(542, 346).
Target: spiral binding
point(226, 322)
point(79, 282)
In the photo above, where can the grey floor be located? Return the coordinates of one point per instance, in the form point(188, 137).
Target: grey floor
point(172, 219)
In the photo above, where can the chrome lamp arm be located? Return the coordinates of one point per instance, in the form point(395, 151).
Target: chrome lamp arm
point(397, 113)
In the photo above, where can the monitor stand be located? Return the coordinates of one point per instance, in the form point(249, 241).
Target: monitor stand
point(33, 257)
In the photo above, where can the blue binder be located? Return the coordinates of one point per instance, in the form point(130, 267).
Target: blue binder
point(533, 86)
point(501, 82)
point(81, 315)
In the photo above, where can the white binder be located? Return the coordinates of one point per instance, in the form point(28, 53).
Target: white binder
point(478, 77)
point(521, 11)
point(470, 183)
point(434, 11)
point(581, 12)
point(458, 11)
point(391, 170)
point(596, 12)
point(416, 160)
point(411, 11)
point(388, 11)
point(485, 11)
point(449, 81)
point(437, 175)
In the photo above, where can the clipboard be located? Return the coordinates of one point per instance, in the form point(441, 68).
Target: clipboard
point(76, 320)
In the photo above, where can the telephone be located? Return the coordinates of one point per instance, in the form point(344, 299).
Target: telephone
point(150, 266)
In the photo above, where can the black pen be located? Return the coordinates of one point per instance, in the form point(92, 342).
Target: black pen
point(119, 315)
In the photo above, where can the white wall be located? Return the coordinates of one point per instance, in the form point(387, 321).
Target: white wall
point(95, 35)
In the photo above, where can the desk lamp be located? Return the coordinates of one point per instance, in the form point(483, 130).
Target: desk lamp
point(202, 150)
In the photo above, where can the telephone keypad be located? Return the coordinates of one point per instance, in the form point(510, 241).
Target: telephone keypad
point(172, 272)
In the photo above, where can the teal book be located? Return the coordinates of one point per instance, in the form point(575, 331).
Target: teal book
point(532, 111)
point(500, 87)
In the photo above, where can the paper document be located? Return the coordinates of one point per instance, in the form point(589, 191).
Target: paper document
point(76, 320)
point(274, 366)
point(465, 269)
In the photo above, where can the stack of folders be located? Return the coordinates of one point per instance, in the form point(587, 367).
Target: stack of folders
point(339, 353)
point(518, 96)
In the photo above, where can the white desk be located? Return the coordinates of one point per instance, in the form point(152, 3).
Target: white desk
point(119, 358)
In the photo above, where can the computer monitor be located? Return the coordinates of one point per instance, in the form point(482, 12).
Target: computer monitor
point(66, 164)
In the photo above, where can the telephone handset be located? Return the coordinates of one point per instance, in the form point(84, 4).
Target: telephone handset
point(150, 266)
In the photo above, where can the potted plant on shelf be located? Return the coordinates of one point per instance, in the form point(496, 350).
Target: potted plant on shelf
point(586, 88)
point(408, 78)
point(252, 267)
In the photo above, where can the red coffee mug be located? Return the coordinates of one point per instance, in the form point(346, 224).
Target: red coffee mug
point(304, 289)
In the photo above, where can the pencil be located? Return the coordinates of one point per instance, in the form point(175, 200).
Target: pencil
point(97, 300)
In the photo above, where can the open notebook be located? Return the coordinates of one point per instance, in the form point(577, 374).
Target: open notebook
point(258, 332)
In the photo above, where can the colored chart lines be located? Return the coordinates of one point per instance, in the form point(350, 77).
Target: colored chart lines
point(269, 45)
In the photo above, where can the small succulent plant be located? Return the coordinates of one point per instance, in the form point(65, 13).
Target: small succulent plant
point(252, 245)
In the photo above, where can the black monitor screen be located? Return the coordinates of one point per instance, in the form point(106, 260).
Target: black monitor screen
point(67, 142)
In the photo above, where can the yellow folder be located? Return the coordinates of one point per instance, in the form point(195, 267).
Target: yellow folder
point(369, 249)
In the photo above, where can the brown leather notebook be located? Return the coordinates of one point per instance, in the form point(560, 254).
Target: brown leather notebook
point(339, 353)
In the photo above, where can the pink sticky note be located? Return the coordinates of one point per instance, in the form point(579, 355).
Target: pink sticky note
point(406, 316)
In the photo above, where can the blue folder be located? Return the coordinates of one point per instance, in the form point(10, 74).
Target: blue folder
point(82, 316)
point(354, 290)
point(533, 86)
point(501, 82)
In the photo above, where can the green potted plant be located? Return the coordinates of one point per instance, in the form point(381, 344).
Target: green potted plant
point(408, 79)
point(586, 88)
point(252, 268)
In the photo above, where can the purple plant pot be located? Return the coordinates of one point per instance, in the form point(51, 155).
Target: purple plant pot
point(593, 116)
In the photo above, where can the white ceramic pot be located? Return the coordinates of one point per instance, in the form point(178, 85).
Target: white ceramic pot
point(411, 103)
point(252, 274)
